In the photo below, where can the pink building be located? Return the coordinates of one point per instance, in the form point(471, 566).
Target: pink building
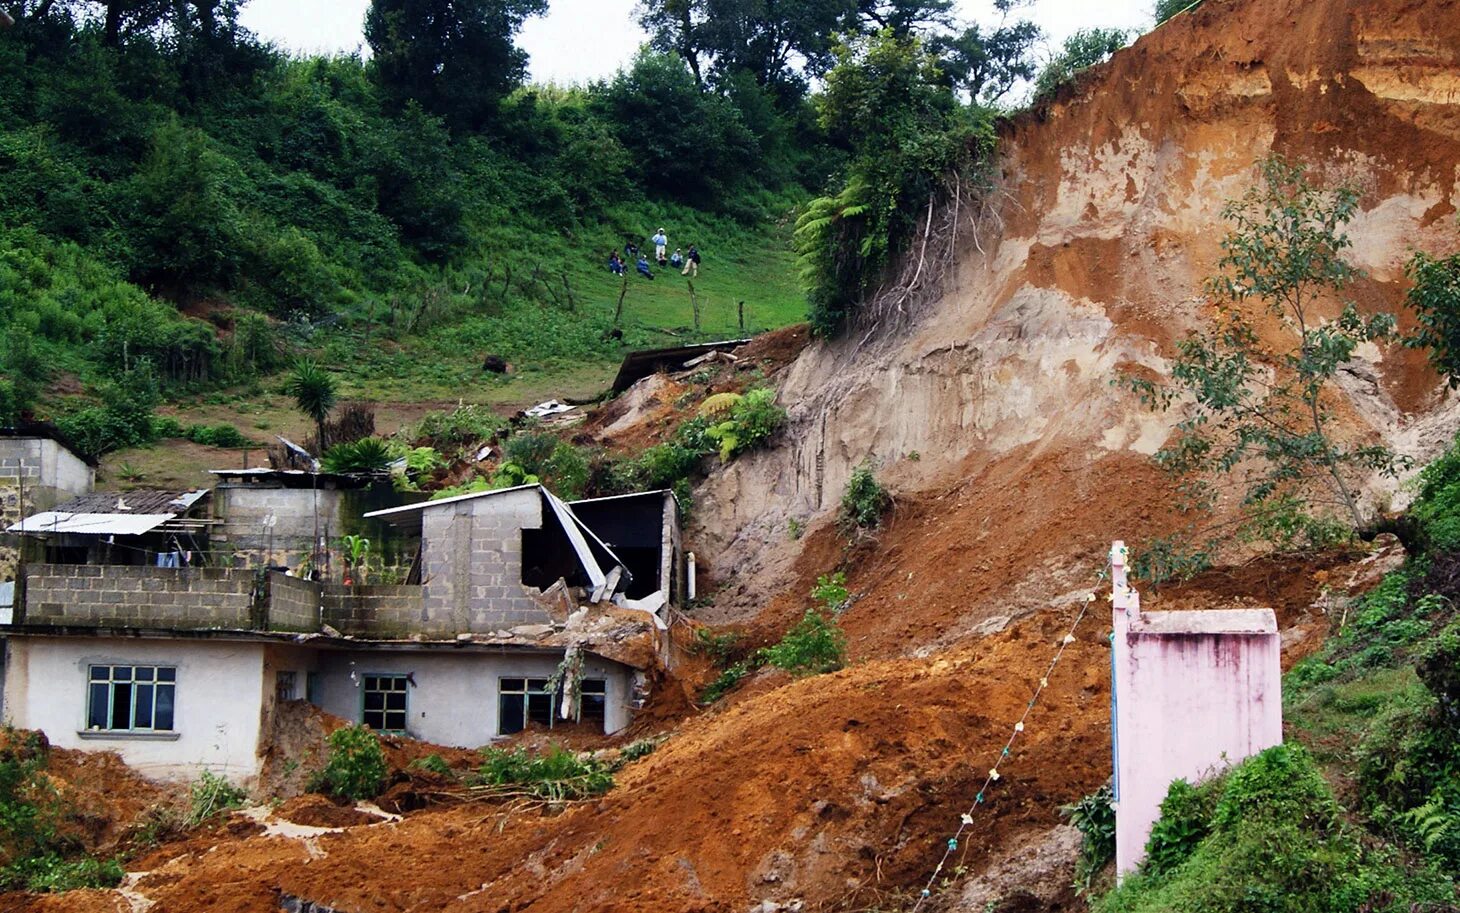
point(1191, 693)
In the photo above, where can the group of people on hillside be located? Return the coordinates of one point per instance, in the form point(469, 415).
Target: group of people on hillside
point(687, 263)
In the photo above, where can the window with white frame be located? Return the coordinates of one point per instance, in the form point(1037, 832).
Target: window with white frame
point(131, 698)
point(521, 701)
point(384, 703)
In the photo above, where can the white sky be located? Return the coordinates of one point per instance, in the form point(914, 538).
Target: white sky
point(579, 40)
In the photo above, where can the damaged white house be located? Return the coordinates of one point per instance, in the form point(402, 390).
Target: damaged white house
point(518, 610)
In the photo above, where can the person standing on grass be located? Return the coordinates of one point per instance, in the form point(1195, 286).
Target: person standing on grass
point(692, 262)
point(661, 241)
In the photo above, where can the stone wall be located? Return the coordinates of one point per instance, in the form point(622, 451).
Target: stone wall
point(138, 597)
point(472, 563)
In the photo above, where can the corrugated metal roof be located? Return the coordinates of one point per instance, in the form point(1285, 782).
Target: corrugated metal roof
point(55, 521)
point(131, 503)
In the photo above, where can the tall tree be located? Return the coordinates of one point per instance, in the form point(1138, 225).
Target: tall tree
point(776, 41)
point(1258, 402)
point(455, 58)
point(986, 63)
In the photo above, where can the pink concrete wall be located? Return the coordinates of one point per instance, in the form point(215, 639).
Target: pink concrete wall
point(1194, 692)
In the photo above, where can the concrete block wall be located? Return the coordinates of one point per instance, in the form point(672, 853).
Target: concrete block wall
point(382, 611)
point(48, 473)
point(293, 604)
point(472, 563)
point(95, 596)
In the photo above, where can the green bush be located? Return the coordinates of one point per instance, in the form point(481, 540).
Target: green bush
point(211, 795)
point(1437, 504)
point(35, 852)
point(1094, 817)
point(1165, 9)
point(1278, 842)
point(367, 455)
point(726, 681)
point(433, 763)
point(53, 874)
point(815, 645)
point(1083, 49)
point(1186, 819)
point(753, 419)
point(124, 418)
point(462, 426)
point(556, 775)
point(831, 591)
point(217, 436)
point(864, 501)
point(355, 768)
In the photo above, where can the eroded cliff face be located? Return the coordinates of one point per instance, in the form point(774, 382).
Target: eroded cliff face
point(1107, 218)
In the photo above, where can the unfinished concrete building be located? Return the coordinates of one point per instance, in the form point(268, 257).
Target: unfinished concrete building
point(522, 615)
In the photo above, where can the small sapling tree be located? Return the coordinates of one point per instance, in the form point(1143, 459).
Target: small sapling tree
point(1258, 403)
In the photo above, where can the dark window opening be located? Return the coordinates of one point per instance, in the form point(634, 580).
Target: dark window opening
point(384, 703)
point(527, 701)
point(634, 528)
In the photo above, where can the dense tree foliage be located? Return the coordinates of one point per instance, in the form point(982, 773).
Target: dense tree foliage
point(1085, 48)
point(181, 203)
point(454, 58)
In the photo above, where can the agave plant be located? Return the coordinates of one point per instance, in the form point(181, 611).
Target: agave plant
point(369, 454)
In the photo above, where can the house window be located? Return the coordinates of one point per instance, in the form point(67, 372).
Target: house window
point(131, 698)
point(521, 701)
point(594, 703)
point(284, 686)
point(385, 703)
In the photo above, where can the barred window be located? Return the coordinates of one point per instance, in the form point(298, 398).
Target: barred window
point(385, 703)
point(284, 686)
point(131, 698)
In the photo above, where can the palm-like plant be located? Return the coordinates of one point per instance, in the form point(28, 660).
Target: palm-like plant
point(314, 393)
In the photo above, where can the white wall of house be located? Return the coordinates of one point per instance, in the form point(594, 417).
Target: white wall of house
point(219, 701)
point(454, 701)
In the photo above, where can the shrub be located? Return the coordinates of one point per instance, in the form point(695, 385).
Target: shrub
point(463, 425)
point(35, 854)
point(815, 645)
point(124, 418)
point(1083, 49)
point(217, 436)
point(636, 750)
point(433, 763)
point(556, 775)
point(726, 681)
point(864, 501)
point(1186, 814)
point(1165, 9)
point(210, 795)
point(356, 766)
point(831, 591)
point(366, 455)
point(1278, 842)
point(1094, 817)
point(54, 874)
point(753, 419)
point(1437, 504)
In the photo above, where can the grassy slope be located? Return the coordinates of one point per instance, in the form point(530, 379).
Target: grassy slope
point(554, 351)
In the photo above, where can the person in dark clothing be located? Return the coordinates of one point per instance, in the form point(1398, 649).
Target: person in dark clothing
point(643, 267)
point(692, 262)
point(615, 265)
point(631, 251)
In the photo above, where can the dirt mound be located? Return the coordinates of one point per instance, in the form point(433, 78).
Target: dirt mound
point(319, 811)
